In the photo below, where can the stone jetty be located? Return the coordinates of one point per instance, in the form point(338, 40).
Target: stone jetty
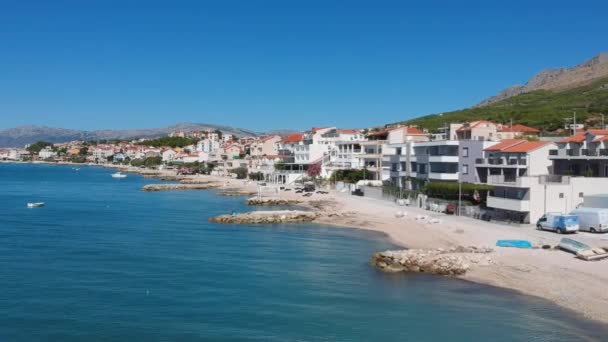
point(235, 192)
point(272, 201)
point(453, 261)
point(169, 187)
point(266, 217)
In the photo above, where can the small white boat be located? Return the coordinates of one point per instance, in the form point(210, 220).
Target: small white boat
point(35, 204)
point(118, 175)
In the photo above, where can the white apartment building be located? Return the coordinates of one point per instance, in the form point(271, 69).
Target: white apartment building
point(208, 145)
point(524, 186)
point(583, 154)
point(47, 153)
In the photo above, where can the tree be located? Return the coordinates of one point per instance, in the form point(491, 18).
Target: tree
point(170, 141)
point(279, 166)
point(314, 170)
point(37, 146)
point(83, 151)
point(241, 172)
point(153, 161)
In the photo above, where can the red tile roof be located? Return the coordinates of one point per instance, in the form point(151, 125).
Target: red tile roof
point(293, 138)
point(598, 131)
point(519, 128)
point(574, 138)
point(517, 146)
point(409, 130)
point(504, 144)
point(600, 139)
point(526, 146)
point(473, 124)
point(347, 131)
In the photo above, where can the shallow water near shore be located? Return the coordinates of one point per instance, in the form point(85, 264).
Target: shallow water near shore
point(105, 261)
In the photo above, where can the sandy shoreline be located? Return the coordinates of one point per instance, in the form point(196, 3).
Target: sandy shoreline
point(553, 275)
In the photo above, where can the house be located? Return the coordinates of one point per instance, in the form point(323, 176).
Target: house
point(168, 155)
point(516, 131)
point(264, 146)
point(231, 151)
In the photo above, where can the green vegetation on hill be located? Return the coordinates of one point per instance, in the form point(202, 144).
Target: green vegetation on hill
point(542, 109)
point(37, 146)
point(171, 142)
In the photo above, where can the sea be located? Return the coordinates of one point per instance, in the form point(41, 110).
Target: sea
point(104, 261)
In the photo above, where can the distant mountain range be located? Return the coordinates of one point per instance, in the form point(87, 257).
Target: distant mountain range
point(545, 102)
point(22, 135)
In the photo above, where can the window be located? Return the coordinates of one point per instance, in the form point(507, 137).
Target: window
point(465, 151)
point(398, 151)
point(580, 194)
point(465, 169)
point(561, 195)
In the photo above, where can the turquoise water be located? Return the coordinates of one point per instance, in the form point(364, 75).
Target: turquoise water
point(104, 261)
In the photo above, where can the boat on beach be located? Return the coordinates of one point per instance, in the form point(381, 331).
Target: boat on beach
point(35, 204)
point(119, 175)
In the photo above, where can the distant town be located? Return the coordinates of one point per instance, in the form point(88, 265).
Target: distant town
point(516, 175)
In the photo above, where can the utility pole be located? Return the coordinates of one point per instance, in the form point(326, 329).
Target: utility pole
point(574, 120)
point(459, 196)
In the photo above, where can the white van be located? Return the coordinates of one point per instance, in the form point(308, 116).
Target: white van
point(593, 220)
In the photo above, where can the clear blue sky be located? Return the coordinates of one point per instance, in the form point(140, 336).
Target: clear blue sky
point(275, 64)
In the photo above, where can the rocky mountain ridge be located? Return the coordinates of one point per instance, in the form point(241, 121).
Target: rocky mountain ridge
point(557, 79)
point(22, 135)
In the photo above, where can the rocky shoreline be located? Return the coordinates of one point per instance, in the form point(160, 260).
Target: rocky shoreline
point(266, 217)
point(451, 262)
point(171, 187)
point(272, 201)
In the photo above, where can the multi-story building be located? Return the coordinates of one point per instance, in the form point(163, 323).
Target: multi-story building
point(47, 153)
point(399, 154)
point(583, 154)
point(264, 146)
point(520, 172)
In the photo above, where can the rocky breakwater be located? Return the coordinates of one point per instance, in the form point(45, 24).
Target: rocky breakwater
point(453, 261)
point(272, 201)
point(266, 217)
point(235, 192)
point(170, 187)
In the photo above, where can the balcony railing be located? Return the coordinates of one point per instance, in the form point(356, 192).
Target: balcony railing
point(573, 153)
point(553, 152)
point(604, 152)
point(495, 161)
point(589, 152)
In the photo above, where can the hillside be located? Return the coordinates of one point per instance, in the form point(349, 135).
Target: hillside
point(545, 109)
point(20, 136)
point(558, 79)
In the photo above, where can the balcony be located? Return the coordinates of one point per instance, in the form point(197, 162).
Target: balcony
point(509, 180)
point(443, 159)
point(573, 153)
point(443, 176)
point(508, 204)
point(584, 153)
point(589, 152)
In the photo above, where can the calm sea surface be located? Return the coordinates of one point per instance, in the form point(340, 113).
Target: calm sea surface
point(104, 261)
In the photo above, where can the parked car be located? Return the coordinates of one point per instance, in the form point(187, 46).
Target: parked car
point(593, 220)
point(558, 222)
point(309, 187)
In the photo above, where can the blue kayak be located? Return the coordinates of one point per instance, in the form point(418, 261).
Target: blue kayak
point(514, 243)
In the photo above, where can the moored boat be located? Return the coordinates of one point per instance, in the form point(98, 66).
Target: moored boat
point(35, 204)
point(119, 175)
